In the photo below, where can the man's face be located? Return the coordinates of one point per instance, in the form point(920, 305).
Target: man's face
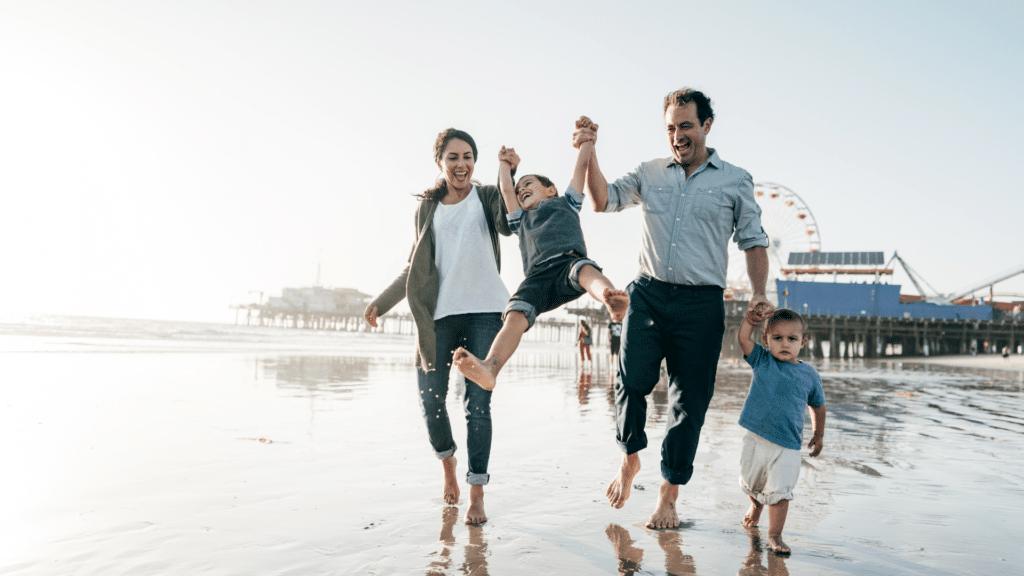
point(686, 135)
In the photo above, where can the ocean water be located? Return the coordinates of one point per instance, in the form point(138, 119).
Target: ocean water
point(143, 447)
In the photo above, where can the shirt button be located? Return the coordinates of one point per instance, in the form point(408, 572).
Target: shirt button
point(673, 243)
point(677, 219)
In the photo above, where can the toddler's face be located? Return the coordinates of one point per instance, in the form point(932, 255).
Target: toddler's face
point(784, 340)
point(530, 192)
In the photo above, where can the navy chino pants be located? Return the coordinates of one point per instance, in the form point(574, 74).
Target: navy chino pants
point(684, 325)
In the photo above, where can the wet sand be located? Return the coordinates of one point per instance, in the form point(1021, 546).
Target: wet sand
point(242, 459)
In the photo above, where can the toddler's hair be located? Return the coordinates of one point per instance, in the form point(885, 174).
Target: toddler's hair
point(784, 315)
point(544, 181)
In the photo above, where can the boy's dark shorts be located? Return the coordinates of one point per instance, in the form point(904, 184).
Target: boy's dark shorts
point(551, 284)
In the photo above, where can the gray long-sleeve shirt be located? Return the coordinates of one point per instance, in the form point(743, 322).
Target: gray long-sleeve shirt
point(688, 221)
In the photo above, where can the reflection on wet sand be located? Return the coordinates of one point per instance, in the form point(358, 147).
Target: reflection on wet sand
point(476, 553)
point(630, 556)
point(752, 564)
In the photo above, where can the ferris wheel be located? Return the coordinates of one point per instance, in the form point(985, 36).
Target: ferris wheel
point(790, 226)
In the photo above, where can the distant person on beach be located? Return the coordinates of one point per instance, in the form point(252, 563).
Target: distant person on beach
point(554, 260)
point(692, 203)
point(773, 414)
point(585, 340)
point(614, 338)
point(456, 297)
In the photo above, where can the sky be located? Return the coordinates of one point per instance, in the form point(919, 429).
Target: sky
point(168, 160)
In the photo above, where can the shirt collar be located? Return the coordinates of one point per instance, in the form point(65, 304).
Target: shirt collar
point(713, 160)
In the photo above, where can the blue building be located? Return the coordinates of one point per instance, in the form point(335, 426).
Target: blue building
point(868, 300)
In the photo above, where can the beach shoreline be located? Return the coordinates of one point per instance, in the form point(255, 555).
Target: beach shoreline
point(1014, 363)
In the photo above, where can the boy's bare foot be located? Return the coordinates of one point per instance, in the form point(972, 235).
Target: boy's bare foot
point(618, 489)
point(753, 514)
point(617, 302)
point(484, 373)
point(777, 545)
point(475, 514)
point(451, 484)
point(665, 512)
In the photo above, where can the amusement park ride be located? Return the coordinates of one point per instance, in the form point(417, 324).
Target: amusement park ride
point(795, 250)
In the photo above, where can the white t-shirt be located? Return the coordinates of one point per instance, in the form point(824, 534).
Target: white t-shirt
point(465, 260)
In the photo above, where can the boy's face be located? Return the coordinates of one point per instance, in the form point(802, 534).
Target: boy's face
point(530, 192)
point(784, 340)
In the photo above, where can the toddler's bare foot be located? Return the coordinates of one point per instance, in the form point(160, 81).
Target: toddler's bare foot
point(753, 514)
point(484, 373)
point(777, 545)
point(451, 484)
point(617, 302)
point(475, 514)
point(618, 489)
point(665, 512)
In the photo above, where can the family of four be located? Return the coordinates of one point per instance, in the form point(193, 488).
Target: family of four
point(673, 312)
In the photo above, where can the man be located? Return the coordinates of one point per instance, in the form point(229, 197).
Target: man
point(692, 202)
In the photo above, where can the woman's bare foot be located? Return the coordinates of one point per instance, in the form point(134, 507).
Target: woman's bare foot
point(475, 514)
point(617, 302)
point(777, 545)
point(753, 514)
point(665, 512)
point(484, 373)
point(618, 490)
point(451, 484)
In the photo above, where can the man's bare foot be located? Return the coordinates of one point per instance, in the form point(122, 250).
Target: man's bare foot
point(753, 514)
point(618, 490)
point(475, 514)
point(451, 484)
point(617, 302)
point(777, 545)
point(665, 512)
point(484, 373)
point(623, 545)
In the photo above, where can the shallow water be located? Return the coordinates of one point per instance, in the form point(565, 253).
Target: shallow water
point(289, 452)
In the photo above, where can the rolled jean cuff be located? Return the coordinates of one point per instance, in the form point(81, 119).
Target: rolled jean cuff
point(574, 272)
point(632, 447)
point(446, 454)
point(477, 479)
point(528, 310)
point(676, 476)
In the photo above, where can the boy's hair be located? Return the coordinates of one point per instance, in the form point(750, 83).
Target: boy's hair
point(544, 181)
point(684, 96)
point(784, 315)
point(440, 189)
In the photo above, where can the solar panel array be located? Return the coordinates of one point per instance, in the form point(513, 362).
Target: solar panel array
point(836, 258)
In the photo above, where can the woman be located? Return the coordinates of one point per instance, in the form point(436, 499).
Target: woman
point(585, 340)
point(456, 297)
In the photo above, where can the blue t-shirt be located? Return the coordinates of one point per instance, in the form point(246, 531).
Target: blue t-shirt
point(779, 394)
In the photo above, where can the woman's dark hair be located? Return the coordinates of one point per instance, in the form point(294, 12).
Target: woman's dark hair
point(784, 315)
point(684, 96)
point(440, 189)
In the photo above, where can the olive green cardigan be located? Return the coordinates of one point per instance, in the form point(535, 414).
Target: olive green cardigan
point(420, 281)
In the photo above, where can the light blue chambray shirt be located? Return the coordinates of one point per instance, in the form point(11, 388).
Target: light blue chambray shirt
point(687, 222)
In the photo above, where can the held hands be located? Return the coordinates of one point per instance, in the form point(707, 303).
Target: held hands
point(509, 156)
point(816, 444)
point(759, 309)
point(371, 314)
point(586, 131)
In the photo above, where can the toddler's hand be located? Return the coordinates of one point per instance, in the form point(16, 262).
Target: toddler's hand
point(816, 444)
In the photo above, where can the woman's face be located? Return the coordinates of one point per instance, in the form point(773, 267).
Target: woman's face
point(456, 164)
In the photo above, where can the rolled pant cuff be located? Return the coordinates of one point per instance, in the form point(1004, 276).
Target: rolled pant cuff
point(632, 447)
point(477, 479)
point(446, 454)
point(676, 476)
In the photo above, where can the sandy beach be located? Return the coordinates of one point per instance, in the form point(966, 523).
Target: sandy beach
point(239, 452)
